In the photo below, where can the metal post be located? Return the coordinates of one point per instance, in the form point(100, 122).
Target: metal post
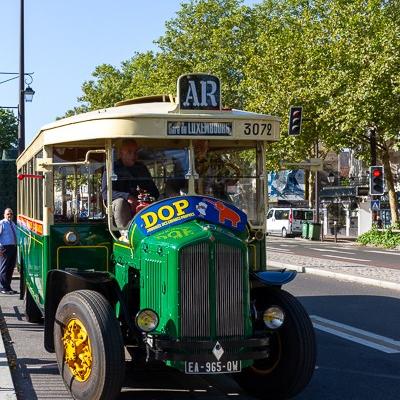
point(316, 217)
point(335, 230)
point(372, 142)
point(21, 107)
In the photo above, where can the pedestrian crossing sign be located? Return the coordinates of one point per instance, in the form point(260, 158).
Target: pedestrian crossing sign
point(375, 205)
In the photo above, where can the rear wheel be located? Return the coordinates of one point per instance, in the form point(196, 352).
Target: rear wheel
point(290, 365)
point(89, 346)
point(32, 311)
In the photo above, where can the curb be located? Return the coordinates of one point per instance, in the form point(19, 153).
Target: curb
point(7, 390)
point(336, 275)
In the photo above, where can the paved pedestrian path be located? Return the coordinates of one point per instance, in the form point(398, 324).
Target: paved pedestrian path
point(370, 275)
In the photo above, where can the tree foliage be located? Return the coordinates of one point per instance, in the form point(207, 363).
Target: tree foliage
point(339, 59)
point(8, 129)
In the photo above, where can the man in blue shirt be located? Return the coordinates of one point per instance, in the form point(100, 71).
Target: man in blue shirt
point(8, 251)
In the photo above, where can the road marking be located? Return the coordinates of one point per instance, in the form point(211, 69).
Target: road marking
point(395, 253)
point(277, 250)
point(378, 342)
point(346, 258)
point(332, 251)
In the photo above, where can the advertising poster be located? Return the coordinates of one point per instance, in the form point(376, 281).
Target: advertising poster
point(286, 185)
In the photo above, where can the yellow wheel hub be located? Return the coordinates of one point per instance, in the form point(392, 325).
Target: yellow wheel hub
point(78, 353)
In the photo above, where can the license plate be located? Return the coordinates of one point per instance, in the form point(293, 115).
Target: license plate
point(212, 367)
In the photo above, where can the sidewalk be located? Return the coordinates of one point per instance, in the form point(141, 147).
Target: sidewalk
point(353, 272)
point(7, 390)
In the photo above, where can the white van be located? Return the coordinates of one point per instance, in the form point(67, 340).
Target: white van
point(287, 221)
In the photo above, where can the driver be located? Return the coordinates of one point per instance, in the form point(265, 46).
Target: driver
point(131, 174)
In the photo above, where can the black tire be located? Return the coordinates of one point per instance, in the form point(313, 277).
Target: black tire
point(284, 232)
point(105, 346)
point(31, 310)
point(291, 364)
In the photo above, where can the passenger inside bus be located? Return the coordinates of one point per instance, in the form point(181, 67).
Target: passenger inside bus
point(132, 177)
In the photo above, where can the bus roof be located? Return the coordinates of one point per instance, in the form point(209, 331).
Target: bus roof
point(155, 120)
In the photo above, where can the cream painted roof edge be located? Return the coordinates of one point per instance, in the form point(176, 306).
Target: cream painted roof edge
point(146, 110)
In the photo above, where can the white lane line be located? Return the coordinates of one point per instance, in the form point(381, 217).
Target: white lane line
point(288, 245)
point(346, 258)
point(280, 251)
point(378, 342)
point(332, 251)
point(395, 253)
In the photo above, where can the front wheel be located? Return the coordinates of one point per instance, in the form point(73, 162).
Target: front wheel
point(291, 363)
point(89, 346)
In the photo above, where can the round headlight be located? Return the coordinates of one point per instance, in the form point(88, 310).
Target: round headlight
point(71, 237)
point(147, 320)
point(273, 317)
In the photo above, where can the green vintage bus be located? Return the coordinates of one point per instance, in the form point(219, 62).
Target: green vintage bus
point(186, 283)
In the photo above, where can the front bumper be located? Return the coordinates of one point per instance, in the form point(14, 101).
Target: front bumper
point(167, 349)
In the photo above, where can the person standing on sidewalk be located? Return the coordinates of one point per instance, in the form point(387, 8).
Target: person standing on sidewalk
point(8, 251)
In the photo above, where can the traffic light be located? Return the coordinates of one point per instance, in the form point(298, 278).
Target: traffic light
point(376, 180)
point(295, 120)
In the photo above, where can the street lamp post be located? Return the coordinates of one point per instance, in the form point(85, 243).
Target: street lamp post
point(23, 94)
point(21, 103)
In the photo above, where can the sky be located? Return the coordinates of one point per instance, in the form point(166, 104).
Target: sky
point(66, 40)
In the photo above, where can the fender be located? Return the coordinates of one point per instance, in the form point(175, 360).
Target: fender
point(272, 278)
point(60, 283)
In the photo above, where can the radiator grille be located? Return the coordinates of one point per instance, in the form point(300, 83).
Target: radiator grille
point(153, 275)
point(227, 281)
point(229, 284)
point(195, 291)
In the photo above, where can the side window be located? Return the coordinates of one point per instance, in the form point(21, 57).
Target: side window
point(269, 215)
point(77, 188)
point(282, 214)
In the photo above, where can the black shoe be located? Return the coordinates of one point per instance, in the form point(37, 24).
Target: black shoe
point(12, 292)
point(8, 292)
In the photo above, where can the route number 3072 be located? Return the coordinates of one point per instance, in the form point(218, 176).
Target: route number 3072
point(257, 129)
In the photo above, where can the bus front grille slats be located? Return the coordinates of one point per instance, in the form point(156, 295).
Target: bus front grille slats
point(195, 297)
point(195, 291)
point(229, 283)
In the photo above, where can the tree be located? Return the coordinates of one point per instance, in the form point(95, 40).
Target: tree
point(8, 130)
point(363, 83)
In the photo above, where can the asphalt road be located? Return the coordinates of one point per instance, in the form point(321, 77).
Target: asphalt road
point(350, 252)
point(358, 340)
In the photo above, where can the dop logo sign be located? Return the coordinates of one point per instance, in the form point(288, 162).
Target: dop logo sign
point(175, 211)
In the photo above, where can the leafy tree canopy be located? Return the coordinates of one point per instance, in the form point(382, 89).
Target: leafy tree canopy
point(8, 129)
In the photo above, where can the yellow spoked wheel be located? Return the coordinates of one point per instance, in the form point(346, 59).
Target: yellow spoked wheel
point(89, 346)
point(78, 353)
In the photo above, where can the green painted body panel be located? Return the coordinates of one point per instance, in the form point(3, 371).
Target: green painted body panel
point(33, 250)
point(41, 253)
point(92, 251)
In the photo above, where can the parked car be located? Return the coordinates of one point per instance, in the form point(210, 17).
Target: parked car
point(287, 221)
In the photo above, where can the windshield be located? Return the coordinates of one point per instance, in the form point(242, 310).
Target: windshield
point(226, 174)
